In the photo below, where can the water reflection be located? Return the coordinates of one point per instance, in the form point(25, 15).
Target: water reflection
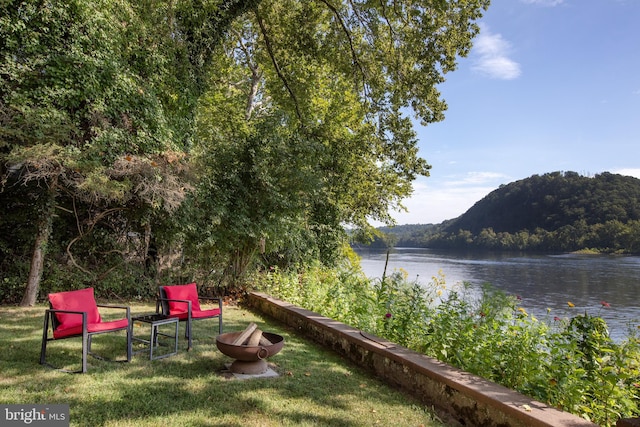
point(543, 281)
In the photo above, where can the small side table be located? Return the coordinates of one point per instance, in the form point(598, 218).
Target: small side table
point(155, 321)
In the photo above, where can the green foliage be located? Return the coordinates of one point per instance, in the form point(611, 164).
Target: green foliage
point(571, 363)
point(97, 105)
point(302, 131)
point(232, 132)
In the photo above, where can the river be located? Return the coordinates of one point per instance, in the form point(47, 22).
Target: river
point(542, 281)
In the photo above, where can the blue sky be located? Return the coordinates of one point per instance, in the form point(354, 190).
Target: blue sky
point(550, 85)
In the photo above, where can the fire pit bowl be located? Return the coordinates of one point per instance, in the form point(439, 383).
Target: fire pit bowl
point(250, 360)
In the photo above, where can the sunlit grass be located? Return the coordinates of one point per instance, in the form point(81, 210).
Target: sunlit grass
point(315, 387)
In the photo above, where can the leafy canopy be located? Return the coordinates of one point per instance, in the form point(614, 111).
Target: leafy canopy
point(305, 125)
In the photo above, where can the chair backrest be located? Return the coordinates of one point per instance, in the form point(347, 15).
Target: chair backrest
point(179, 292)
point(80, 300)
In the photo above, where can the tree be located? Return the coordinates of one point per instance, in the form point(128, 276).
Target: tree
point(309, 107)
point(98, 102)
point(92, 93)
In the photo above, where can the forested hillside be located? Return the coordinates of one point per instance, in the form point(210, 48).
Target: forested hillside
point(551, 212)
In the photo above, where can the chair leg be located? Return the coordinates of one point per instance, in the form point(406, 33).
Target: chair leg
point(129, 344)
point(45, 338)
point(86, 342)
point(188, 334)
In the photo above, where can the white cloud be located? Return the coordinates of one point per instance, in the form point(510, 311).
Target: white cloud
point(434, 202)
point(492, 56)
point(476, 178)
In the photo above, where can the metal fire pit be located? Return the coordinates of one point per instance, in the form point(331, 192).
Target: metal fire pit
point(250, 360)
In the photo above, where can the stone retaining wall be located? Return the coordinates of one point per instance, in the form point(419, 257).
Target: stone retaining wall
point(469, 399)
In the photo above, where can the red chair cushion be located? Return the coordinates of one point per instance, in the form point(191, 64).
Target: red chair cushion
point(200, 314)
point(81, 300)
point(92, 328)
point(184, 292)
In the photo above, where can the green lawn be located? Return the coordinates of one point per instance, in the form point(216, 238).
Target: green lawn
point(315, 387)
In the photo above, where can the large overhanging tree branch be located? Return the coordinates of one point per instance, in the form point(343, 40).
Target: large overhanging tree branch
point(391, 56)
point(276, 66)
point(347, 32)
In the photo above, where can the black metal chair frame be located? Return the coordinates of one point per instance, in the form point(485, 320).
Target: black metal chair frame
point(51, 319)
point(162, 302)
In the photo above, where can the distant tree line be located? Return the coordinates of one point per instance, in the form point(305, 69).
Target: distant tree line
point(551, 212)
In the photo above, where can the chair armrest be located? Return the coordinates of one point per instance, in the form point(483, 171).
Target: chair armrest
point(174, 300)
point(211, 298)
point(120, 307)
point(56, 310)
point(218, 299)
point(113, 306)
point(52, 311)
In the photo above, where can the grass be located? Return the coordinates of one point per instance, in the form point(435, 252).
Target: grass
point(315, 387)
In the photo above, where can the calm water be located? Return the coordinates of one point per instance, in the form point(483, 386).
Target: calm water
point(543, 281)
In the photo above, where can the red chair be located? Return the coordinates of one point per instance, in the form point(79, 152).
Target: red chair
point(182, 301)
point(75, 314)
